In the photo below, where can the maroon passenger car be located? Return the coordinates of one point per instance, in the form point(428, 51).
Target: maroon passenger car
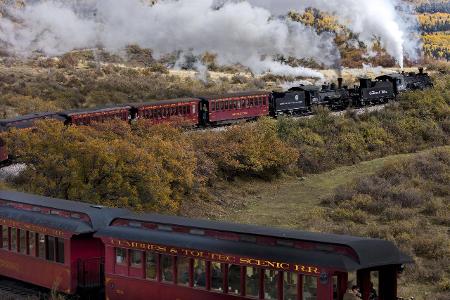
point(230, 108)
point(48, 242)
point(88, 116)
point(185, 111)
point(170, 258)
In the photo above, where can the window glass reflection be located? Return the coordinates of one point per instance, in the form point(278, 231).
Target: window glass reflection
point(270, 284)
point(252, 282)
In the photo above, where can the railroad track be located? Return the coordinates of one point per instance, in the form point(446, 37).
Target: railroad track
point(14, 290)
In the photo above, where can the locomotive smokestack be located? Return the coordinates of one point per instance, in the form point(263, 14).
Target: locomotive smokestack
point(340, 80)
point(421, 70)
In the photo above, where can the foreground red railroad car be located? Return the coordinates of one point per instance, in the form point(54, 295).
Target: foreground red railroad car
point(48, 242)
point(185, 111)
point(89, 116)
point(171, 258)
point(230, 108)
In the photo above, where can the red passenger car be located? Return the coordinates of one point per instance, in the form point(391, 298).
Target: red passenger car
point(185, 111)
point(229, 108)
point(170, 258)
point(48, 242)
point(88, 116)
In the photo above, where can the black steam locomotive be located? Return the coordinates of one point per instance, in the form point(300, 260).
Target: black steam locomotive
point(302, 99)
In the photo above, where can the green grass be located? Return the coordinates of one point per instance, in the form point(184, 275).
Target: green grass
point(290, 202)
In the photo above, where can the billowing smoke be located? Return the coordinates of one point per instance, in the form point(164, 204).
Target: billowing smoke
point(389, 20)
point(236, 32)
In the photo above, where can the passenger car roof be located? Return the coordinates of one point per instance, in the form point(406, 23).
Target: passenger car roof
point(92, 110)
point(100, 216)
point(163, 102)
point(232, 95)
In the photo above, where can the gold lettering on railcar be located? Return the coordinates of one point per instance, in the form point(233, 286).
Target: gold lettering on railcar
point(230, 259)
point(32, 227)
point(239, 114)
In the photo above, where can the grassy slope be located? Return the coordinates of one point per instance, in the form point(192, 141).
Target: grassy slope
point(289, 202)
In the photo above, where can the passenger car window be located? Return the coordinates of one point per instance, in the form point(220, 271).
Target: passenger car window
point(22, 241)
point(31, 243)
point(121, 256)
point(60, 250)
point(167, 268)
point(41, 249)
point(183, 270)
point(217, 276)
point(136, 258)
point(51, 247)
point(270, 284)
point(199, 273)
point(5, 237)
point(13, 239)
point(151, 265)
point(290, 286)
point(234, 279)
point(252, 281)
point(309, 288)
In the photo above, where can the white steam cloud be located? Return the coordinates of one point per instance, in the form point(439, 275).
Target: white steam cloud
point(237, 32)
point(389, 20)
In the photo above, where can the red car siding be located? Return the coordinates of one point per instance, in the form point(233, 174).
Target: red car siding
point(171, 113)
point(38, 271)
point(235, 112)
point(88, 118)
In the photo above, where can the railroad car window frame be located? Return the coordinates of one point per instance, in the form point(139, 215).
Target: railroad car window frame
point(5, 237)
point(253, 282)
point(309, 282)
point(217, 276)
point(13, 239)
point(184, 268)
point(166, 268)
point(50, 245)
point(136, 259)
point(234, 279)
point(41, 250)
point(22, 245)
point(123, 254)
point(271, 284)
point(151, 263)
point(199, 274)
point(31, 243)
point(290, 286)
point(60, 250)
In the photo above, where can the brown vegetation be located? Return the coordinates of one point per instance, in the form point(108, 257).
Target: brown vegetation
point(408, 202)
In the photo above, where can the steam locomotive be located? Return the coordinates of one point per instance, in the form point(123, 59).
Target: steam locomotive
point(218, 110)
